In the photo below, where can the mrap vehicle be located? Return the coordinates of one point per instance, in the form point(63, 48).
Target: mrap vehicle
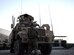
point(61, 41)
point(29, 37)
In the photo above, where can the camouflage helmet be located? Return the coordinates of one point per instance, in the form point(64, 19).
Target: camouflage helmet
point(25, 16)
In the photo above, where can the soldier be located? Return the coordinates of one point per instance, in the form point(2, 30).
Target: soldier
point(27, 21)
point(32, 43)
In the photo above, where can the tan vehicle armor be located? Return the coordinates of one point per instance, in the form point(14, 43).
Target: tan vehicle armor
point(27, 37)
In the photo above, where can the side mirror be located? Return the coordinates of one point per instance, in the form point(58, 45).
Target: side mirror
point(12, 26)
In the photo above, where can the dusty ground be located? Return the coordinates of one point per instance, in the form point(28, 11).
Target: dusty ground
point(57, 51)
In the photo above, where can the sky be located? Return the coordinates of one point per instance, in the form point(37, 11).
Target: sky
point(61, 12)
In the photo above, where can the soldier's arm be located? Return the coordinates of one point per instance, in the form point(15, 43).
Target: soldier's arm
point(35, 24)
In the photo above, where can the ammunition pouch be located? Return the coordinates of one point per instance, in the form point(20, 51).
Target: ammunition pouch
point(32, 33)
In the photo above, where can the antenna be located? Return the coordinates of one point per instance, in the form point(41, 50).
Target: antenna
point(21, 6)
point(50, 19)
point(39, 15)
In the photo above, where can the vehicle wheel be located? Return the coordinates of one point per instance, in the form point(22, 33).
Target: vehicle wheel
point(11, 49)
point(63, 43)
point(4, 46)
point(69, 46)
point(18, 49)
point(56, 43)
point(66, 45)
point(46, 49)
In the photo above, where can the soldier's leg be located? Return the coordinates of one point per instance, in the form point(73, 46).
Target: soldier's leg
point(30, 47)
point(35, 47)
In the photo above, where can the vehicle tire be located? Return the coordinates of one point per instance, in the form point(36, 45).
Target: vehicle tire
point(18, 49)
point(46, 49)
point(63, 44)
point(4, 46)
point(56, 43)
point(11, 48)
point(69, 46)
point(66, 45)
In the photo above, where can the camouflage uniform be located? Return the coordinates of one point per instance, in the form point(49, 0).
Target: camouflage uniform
point(27, 21)
point(32, 44)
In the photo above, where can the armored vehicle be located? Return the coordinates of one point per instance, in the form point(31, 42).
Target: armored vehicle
point(28, 37)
